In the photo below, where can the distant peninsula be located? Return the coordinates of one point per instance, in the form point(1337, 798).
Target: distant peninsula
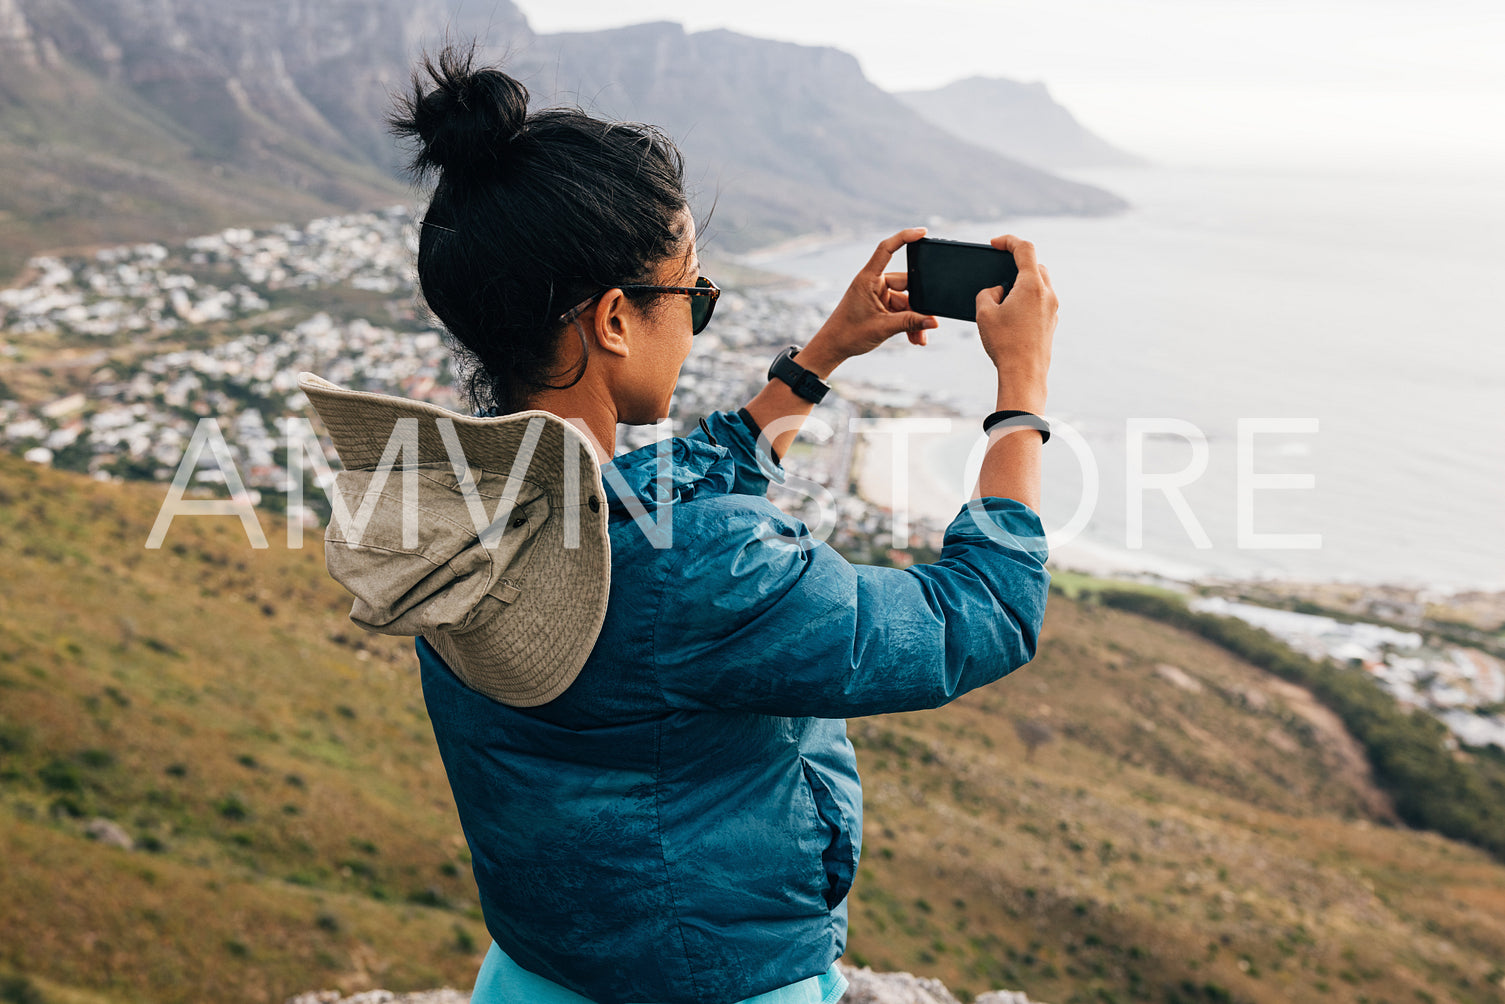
point(1024, 122)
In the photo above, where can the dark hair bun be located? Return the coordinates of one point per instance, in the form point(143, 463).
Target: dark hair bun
point(461, 119)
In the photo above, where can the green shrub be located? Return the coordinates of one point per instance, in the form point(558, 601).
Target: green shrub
point(59, 775)
point(465, 942)
point(232, 808)
point(428, 897)
point(66, 806)
point(20, 990)
point(96, 759)
point(14, 738)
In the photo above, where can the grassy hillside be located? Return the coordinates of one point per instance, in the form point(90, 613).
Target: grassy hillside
point(1460, 795)
point(1196, 830)
point(274, 767)
point(1192, 829)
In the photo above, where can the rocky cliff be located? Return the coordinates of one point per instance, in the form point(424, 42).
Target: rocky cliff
point(320, 70)
point(127, 119)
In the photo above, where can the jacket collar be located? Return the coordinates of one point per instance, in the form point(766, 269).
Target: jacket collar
point(689, 466)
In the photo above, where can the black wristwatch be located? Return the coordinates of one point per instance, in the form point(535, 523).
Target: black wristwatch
point(800, 380)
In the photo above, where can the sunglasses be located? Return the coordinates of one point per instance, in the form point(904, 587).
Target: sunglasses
point(703, 296)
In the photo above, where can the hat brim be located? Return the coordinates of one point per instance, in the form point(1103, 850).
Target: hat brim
point(534, 631)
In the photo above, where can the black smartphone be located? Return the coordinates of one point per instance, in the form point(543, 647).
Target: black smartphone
point(946, 276)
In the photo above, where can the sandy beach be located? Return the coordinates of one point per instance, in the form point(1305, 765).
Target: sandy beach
point(930, 489)
point(918, 487)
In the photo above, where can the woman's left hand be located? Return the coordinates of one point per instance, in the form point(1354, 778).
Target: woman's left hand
point(874, 308)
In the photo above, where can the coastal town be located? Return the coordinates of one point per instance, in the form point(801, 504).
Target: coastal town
point(145, 342)
point(113, 361)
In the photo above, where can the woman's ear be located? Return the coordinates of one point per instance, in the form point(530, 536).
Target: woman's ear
point(611, 322)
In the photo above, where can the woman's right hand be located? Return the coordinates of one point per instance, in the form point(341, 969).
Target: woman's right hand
point(1016, 330)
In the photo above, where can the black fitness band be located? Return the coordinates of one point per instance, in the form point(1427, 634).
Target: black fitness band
point(1027, 419)
point(800, 380)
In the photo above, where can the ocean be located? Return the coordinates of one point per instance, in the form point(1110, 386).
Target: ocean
point(1356, 326)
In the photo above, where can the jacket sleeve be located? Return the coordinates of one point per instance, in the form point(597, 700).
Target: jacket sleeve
point(760, 617)
point(755, 467)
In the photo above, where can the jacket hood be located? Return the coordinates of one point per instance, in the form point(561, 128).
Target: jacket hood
point(669, 471)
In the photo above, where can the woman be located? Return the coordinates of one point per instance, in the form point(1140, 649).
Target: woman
point(677, 817)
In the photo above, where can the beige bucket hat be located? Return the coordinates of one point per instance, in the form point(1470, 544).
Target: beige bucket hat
point(485, 536)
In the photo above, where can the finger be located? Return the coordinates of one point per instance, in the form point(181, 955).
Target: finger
point(896, 301)
point(889, 245)
point(989, 298)
point(1022, 250)
point(915, 324)
point(918, 338)
point(896, 280)
point(1050, 291)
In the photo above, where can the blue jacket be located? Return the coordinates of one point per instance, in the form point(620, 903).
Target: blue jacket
point(683, 824)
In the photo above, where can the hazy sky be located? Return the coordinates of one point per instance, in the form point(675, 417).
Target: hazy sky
point(1419, 86)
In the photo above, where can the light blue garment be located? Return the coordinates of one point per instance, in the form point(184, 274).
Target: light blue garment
point(502, 981)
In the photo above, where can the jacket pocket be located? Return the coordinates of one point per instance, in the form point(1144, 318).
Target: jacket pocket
point(838, 858)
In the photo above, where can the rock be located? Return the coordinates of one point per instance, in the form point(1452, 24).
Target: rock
point(444, 995)
point(868, 987)
point(109, 832)
point(1180, 677)
point(1003, 997)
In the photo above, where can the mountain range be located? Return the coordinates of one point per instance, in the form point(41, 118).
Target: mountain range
point(123, 120)
point(790, 139)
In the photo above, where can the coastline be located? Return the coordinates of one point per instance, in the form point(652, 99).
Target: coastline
point(926, 496)
point(1406, 638)
point(791, 246)
point(931, 497)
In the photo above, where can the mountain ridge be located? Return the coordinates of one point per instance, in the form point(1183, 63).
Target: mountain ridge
point(126, 121)
point(739, 105)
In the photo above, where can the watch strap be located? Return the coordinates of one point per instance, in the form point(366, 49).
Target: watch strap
point(800, 380)
point(1011, 419)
